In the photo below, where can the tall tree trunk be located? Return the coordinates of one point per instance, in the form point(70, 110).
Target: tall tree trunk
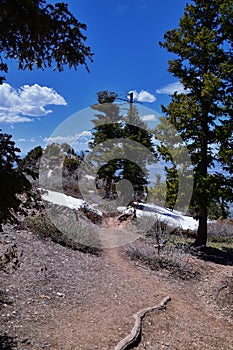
point(201, 239)
point(108, 187)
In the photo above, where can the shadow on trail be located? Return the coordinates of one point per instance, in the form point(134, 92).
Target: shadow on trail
point(7, 342)
point(222, 256)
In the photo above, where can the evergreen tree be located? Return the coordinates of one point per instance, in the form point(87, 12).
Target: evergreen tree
point(40, 35)
point(110, 125)
point(31, 162)
point(136, 130)
point(203, 44)
point(13, 182)
point(178, 169)
point(107, 126)
point(158, 191)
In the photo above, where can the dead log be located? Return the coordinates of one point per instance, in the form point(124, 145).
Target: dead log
point(132, 339)
point(124, 217)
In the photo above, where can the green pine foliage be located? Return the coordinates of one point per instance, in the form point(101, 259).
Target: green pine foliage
point(71, 163)
point(39, 34)
point(31, 162)
point(107, 126)
point(141, 152)
point(111, 125)
point(158, 192)
point(13, 182)
point(178, 168)
point(203, 114)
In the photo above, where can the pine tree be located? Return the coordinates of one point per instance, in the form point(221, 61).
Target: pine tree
point(138, 145)
point(31, 162)
point(142, 151)
point(107, 126)
point(158, 191)
point(178, 167)
point(203, 44)
point(13, 182)
point(39, 35)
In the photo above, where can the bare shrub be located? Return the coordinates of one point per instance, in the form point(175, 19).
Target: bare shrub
point(161, 249)
point(223, 294)
point(10, 258)
point(221, 231)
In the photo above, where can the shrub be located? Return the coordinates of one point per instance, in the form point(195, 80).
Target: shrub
point(10, 257)
point(171, 260)
point(12, 180)
point(221, 231)
point(161, 249)
point(45, 229)
point(223, 294)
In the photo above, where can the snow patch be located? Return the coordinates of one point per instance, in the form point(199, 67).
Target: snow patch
point(67, 201)
point(172, 218)
point(90, 177)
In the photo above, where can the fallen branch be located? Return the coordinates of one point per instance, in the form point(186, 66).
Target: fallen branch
point(131, 339)
point(218, 290)
point(124, 217)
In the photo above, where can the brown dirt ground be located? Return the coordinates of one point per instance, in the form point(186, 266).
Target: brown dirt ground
point(62, 299)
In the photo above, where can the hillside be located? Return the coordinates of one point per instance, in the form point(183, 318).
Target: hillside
point(54, 297)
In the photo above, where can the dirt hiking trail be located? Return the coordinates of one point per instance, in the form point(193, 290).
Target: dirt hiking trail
point(61, 299)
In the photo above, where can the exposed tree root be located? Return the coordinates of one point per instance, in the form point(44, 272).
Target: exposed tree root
point(132, 339)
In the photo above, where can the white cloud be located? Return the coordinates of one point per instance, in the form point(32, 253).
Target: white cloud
point(170, 89)
point(21, 140)
point(149, 117)
point(59, 139)
point(143, 96)
point(78, 141)
point(11, 118)
point(83, 137)
point(16, 106)
point(26, 140)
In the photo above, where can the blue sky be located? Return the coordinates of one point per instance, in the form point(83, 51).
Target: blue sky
point(124, 36)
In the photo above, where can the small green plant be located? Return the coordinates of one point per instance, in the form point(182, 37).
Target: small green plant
point(40, 225)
